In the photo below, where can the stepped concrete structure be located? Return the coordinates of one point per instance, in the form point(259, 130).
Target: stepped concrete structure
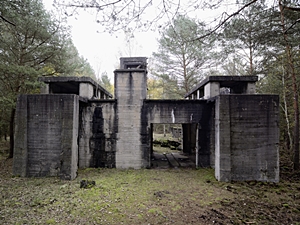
point(75, 123)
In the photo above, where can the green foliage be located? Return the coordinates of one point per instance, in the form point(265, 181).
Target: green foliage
point(34, 44)
point(181, 196)
point(245, 39)
point(105, 82)
point(180, 59)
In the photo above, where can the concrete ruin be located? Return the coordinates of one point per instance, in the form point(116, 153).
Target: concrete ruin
point(75, 123)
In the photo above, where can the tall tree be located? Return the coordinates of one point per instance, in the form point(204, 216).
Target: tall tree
point(245, 38)
point(282, 68)
point(290, 67)
point(180, 60)
point(35, 45)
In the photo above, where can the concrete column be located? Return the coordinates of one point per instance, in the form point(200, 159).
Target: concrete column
point(86, 90)
point(251, 88)
point(211, 89)
point(222, 139)
point(198, 94)
point(20, 167)
point(131, 146)
point(44, 89)
point(186, 136)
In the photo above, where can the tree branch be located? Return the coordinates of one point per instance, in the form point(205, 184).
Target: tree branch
point(93, 6)
point(290, 27)
point(224, 21)
point(289, 8)
point(7, 21)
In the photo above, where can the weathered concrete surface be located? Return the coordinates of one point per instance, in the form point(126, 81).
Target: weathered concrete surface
point(211, 85)
point(83, 86)
point(247, 136)
point(192, 114)
point(46, 136)
point(132, 151)
point(235, 134)
point(97, 134)
point(175, 111)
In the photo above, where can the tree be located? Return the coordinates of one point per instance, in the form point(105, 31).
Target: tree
point(163, 86)
point(282, 69)
point(106, 83)
point(37, 45)
point(245, 38)
point(290, 67)
point(234, 66)
point(178, 60)
point(129, 15)
point(276, 81)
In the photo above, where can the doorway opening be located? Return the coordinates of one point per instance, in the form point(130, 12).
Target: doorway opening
point(171, 146)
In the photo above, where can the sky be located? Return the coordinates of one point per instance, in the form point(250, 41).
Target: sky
point(103, 50)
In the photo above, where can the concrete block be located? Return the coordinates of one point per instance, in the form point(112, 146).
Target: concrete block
point(211, 89)
point(86, 90)
point(51, 136)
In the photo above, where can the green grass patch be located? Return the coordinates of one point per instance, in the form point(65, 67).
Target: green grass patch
point(169, 196)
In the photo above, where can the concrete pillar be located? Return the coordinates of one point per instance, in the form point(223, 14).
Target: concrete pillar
point(131, 146)
point(222, 139)
point(251, 88)
point(44, 89)
point(198, 94)
point(86, 90)
point(20, 163)
point(189, 138)
point(186, 144)
point(211, 89)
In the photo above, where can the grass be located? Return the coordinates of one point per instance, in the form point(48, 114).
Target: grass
point(171, 196)
point(165, 196)
point(119, 197)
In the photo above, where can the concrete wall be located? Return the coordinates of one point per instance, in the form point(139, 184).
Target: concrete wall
point(247, 136)
point(46, 136)
point(175, 111)
point(236, 134)
point(132, 149)
point(193, 114)
point(97, 134)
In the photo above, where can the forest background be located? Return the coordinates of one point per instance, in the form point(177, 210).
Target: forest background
point(249, 38)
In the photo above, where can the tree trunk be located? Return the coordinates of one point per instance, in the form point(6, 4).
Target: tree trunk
point(286, 113)
point(11, 133)
point(291, 70)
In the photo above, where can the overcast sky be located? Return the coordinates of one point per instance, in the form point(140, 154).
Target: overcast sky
point(103, 50)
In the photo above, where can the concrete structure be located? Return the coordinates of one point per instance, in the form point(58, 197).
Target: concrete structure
point(75, 123)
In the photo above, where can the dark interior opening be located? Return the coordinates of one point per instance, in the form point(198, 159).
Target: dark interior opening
point(64, 88)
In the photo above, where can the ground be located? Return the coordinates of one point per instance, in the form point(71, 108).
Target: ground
point(157, 196)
